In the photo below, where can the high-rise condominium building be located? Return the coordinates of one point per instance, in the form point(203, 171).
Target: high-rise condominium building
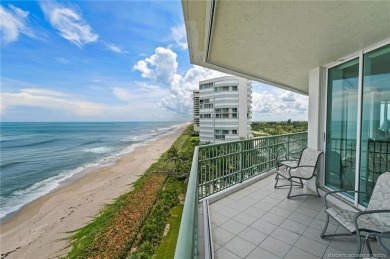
point(224, 109)
point(196, 110)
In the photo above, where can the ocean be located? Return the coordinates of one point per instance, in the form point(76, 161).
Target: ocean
point(37, 158)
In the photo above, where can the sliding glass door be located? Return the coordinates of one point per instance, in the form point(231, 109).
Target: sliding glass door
point(375, 140)
point(340, 162)
point(358, 129)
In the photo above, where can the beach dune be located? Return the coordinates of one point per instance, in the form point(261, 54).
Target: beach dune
point(41, 228)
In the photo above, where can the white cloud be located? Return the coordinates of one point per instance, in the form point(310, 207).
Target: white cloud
point(52, 100)
point(138, 101)
point(179, 35)
point(13, 22)
point(115, 48)
point(277, 103)
point(69, 23)
point(43, 92)
point(161, 68)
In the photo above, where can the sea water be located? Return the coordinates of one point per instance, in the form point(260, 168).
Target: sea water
point(37, 158)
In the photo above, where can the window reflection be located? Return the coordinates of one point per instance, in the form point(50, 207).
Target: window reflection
point(375, 141)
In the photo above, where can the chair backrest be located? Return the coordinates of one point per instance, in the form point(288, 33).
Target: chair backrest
point(309, 157)
point(380, 198)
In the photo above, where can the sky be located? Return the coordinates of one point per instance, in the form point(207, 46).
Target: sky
point(109, 61)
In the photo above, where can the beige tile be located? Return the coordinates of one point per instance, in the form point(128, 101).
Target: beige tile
point(316, 248)
point(275, 246)
point(296, 253)
point(223, 253)
point(259, 253)
point(285, 235)
point(240, 246)
point(233, 226)
point(252, 236)
point(263, 226)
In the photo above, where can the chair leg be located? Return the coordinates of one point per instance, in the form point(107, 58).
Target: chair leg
point(291, 185)
point(359, 244)
point(368, 246)
point(318, 193)
point(277, 179)
point(325, 227)
point(301, 182)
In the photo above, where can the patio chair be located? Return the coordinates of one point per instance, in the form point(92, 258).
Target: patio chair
point(375, 219)
point(383, 240)
point(302, 169)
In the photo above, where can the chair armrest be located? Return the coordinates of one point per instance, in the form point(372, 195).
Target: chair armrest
point(357, 215)
point(338, 191)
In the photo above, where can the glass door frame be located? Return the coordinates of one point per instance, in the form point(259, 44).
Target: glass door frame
point(358, 54)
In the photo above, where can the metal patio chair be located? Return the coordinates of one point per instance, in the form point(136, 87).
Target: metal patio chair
point(375, 219)
point(383, 240)
point(302, 169)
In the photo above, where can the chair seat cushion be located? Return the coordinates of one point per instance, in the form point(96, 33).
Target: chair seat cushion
point(365, 222)
point(299, 172)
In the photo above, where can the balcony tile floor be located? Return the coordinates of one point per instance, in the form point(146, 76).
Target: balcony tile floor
point(260, 222)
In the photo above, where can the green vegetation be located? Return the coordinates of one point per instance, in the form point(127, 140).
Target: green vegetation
point(153, 230)
point(168, 244)
point(261, 129)
point(114, 231)
point(133, 226)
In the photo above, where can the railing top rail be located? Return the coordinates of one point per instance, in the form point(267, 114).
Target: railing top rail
point(247, 140)
point(185, 243)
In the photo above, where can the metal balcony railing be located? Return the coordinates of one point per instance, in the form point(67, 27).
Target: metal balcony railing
point(217, 167)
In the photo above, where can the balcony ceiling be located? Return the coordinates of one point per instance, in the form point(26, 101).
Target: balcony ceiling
point(279, 42)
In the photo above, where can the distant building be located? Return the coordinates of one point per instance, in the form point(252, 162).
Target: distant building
point(196, 110)
point(224, 109)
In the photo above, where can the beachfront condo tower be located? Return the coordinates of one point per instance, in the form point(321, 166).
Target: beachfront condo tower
point(196, 111)
point(224, 109)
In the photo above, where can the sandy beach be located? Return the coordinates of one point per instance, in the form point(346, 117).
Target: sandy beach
point(41, 228)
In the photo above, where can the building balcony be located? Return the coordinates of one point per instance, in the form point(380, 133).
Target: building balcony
point(233, 211)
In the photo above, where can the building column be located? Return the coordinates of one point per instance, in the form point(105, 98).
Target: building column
point(315, 121)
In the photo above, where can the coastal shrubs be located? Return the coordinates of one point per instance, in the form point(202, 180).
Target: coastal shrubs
point(153, 230)
point(114, 231)
point(167, 247)
point(135, 224)
point(260, 129)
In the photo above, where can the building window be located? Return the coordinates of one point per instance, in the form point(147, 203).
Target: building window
point(234, 132)
point(206, 86)
point(234, 109)
point(206, 106)
point(234, 88)
point(205, 116)
point(235, 115)
point(222, 88)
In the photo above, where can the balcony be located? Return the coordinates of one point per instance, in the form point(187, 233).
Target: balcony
point(233, 211)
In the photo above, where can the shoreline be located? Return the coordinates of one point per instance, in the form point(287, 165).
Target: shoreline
point(40, 228)
point(88, 168)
